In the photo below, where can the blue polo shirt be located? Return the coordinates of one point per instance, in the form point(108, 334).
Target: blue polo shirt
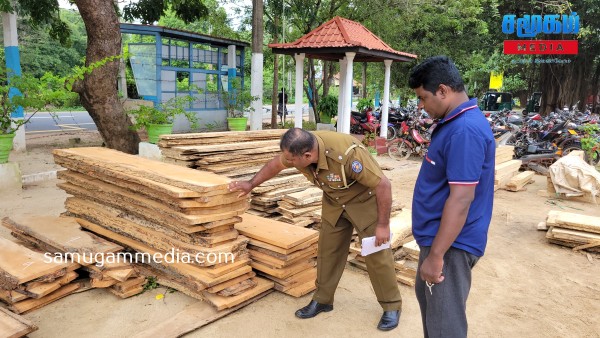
point(462, 151)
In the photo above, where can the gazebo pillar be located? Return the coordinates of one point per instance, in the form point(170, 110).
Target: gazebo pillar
point(348, 91)
point(299, 90)
point(386, 99)
point(341, 120)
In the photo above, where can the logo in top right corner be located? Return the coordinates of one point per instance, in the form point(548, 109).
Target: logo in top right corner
point(529, 26)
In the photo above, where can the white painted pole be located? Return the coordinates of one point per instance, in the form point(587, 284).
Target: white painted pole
point(298, 92)
point(341, 121)
point(386, 99)
point(348, 91)
point(256, 81)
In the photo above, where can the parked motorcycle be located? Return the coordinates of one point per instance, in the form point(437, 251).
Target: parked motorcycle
point(414, 139)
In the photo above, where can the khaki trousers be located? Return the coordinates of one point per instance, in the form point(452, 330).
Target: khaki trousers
point(334, 243)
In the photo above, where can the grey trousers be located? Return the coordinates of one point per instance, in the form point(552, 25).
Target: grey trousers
point(443, 309)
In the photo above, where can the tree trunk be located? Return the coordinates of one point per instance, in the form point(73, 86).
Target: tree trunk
point(275, 76)
point(98, 90)
point(314, 100)
point(326, 77)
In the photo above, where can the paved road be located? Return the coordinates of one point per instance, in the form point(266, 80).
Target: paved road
point(45, 122)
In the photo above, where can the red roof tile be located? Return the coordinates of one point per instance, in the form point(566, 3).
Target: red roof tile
point(340, 32)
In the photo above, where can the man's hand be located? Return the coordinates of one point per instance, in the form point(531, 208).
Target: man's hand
point(431, 269)
point(382, 234)
point(244, 187)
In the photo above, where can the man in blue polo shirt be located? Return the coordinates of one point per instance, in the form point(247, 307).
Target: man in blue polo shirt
point(453, 197)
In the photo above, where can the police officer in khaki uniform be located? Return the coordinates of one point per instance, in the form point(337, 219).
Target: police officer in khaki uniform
point(356, 195)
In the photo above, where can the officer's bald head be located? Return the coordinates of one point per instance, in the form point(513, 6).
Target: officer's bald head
point(297, 141)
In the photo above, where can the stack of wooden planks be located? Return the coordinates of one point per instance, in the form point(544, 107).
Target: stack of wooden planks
point(504, 172)
point(30, 280)
point(282, 252)
point(580, 232)
point(519, 181)
point(504, 153)
point(239, 156)
point(14, 326)
point(232, 154)
point(178, 221)
point(301, 208)
point(63, 239)
point(401, 232)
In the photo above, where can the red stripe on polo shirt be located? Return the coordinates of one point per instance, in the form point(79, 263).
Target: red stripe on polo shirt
point(460, 112)
point(464, 183)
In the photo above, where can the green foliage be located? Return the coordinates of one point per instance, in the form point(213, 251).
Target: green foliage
point(590, 142)
point(80, 71)
point(151, 283)
point(165, 113)
point(306, 125)
point(328, 106)
point(363, 104)
point(237, 100)
point(369, 137)
point(150, 11)
point(34, 95)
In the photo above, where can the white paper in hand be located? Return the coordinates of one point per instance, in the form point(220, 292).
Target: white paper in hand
point(368, 246)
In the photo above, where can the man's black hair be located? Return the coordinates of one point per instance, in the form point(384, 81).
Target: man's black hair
point(434, 71)
point(297, 141)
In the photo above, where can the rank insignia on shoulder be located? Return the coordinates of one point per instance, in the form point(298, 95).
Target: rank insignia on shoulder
point(357, 166)
point(333, 177)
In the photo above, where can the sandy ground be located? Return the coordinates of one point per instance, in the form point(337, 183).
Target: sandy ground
point(522, 287)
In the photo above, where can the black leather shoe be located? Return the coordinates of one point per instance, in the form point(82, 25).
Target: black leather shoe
point(313, 308)
point(389, 320)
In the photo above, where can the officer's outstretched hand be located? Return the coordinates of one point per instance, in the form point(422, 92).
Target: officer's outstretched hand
point(382, 235)
point(244, 187)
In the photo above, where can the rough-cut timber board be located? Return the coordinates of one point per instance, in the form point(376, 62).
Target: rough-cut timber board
point(63, 233)
point(11, 296)
point(283, 284)
point(577, 222)
point(187, 270)
point(154, 238)
point(131, 165)
point(145, 207)
point(276, 233)
point(231, 282)
point(13, 325)
point(19, 265)
point(282, 251)
point(282, 257)
point(40, 289)
point(278, 263)
point(222, 303)
point(135, 291)
point(113, 177)
point(191, 318)
point(32, 304)
point(284, 272)
point(307, 196)
point(301, 289)
point(129, 284)
point(176, 202)
point(400, 227)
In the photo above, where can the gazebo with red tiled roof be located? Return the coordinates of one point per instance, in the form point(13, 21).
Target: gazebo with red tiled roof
point(347, 41)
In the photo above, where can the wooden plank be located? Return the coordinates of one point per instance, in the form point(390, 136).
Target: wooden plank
point(307, 196)
point(400, 227)
point(229, 283)
point(191, 318)
point(32, 304)
point(577, 222)
point(11, 296)
point(221, 303)
point(283, 272)
point(129, 284)
point(14, 326)
point(156, 239)
point(133, 167)
point(63, 233)
point(279, 263)
point(276, 233)
point(40, 289)
point(19, 265)
point(519, 181)
point(283, 251)
point(302, 289)
point(129, 293)
point(507, 167)
point(194, 273)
